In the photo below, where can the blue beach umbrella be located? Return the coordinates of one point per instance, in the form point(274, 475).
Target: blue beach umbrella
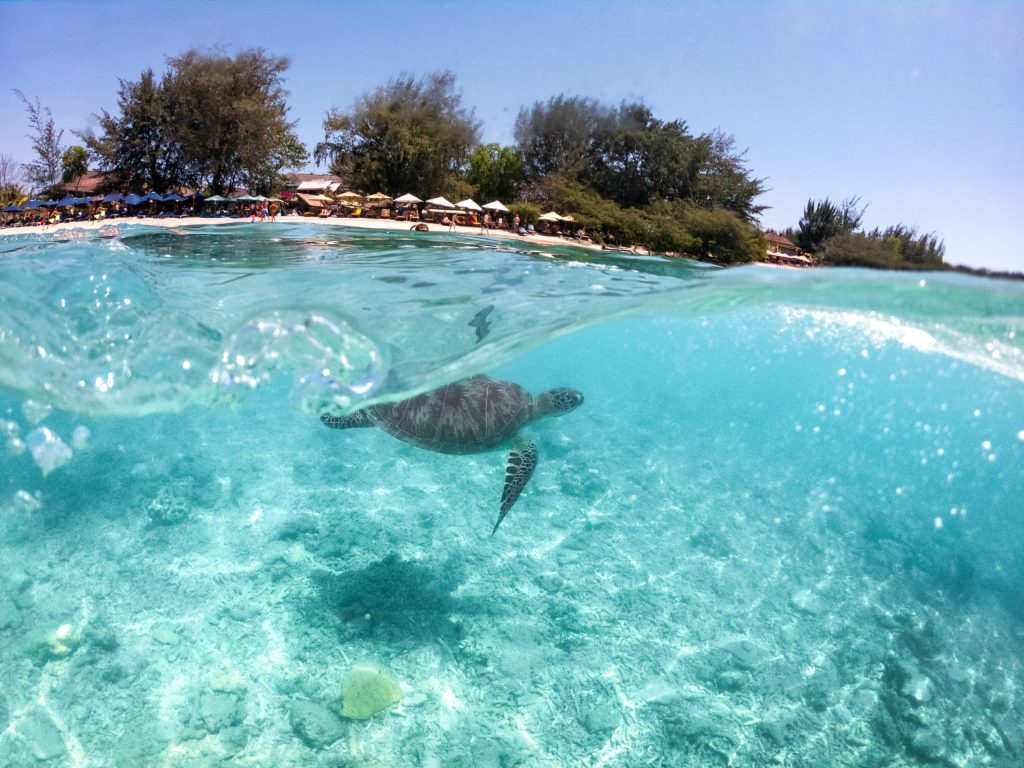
point(12, 208)
point(81, 201)
point(113, 198)
point(66, 201)
point(32, 204)
point(194, 196)
point(152, 197)
point(173, 197)
point(133, 199)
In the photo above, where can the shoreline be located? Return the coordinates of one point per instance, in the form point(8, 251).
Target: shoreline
point(336, 221)
point(377, 224)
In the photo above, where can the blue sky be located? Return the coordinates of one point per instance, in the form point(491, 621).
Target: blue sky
point(916, 107)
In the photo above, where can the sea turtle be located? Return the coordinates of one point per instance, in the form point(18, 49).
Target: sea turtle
point(470, 416)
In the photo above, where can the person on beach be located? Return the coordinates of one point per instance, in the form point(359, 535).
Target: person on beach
point(486, 225)
point(515, 223)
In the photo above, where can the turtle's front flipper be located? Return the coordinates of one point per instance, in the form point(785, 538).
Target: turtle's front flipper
point(522, 460)
point(353, 420)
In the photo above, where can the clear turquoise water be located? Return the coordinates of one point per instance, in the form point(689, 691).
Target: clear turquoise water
point(784, 529)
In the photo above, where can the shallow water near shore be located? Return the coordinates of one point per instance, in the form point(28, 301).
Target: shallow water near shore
point(784, 528)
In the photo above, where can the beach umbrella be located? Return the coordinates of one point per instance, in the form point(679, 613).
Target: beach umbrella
point(549, 216)
point(376, 196)
point(12, 208)
point(349, 196)
point(32, 204)
point(152, 197)
point(218, 199)
point(66, 201)
point(81, 201)
point(469, 205)
point(113, 198)
point(173, 197)
point(496, 206)
point(243, 199)
point(133, 199)
point(408, 198)
point(194, 196)
point(440, 202)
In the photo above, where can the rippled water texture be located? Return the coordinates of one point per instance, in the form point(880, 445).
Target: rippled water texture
point(784, 528)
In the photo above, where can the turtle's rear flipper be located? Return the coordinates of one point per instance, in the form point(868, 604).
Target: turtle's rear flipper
point(522, 460)
point(353, 420)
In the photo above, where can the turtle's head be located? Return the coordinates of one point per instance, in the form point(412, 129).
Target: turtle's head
point(555, 402)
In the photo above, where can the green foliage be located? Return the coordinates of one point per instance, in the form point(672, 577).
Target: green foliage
point(855, 249)
point(44, 172)
point(11, 193)
point(74, 162)
point(916, 251)
point(632, 158)
point(723, 236)
point(231, 119)
point(664, 226)
point(140, 147)
point(722, 177)
point(554, 138)
point(830, 232)
point(825, 219)
point(406, 136)
point(496, 171)
point(211, 121)
point(10, 180)
point(528, 213)
point(896, 247)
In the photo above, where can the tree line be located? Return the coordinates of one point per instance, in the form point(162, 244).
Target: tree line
point(833, 233)
point(216, 122)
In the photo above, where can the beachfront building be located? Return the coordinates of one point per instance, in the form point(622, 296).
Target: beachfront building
point(782, 250)
point(88, 184)
point(313, 183)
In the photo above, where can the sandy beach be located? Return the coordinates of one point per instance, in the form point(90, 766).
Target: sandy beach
point(336, 221)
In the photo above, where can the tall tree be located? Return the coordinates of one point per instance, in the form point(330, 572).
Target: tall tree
point(496, 171)
point(211, 121)
point(140, 146)
point(555, 137)
point(723, 176)
point(628, 155)
point(10, 180)
point(825, 219)
point(230, 118)
point(635, 158)
point(410, 135)
point(74, 163)
point(44, 172)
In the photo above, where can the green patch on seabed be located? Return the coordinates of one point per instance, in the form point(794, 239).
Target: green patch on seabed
point(367, 691)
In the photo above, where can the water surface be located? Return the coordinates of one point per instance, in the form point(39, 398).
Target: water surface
point(785, 527)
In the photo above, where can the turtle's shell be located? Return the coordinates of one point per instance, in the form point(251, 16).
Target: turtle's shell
point(469, 416)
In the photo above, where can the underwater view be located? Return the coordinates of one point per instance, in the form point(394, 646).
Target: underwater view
point(778, 520)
